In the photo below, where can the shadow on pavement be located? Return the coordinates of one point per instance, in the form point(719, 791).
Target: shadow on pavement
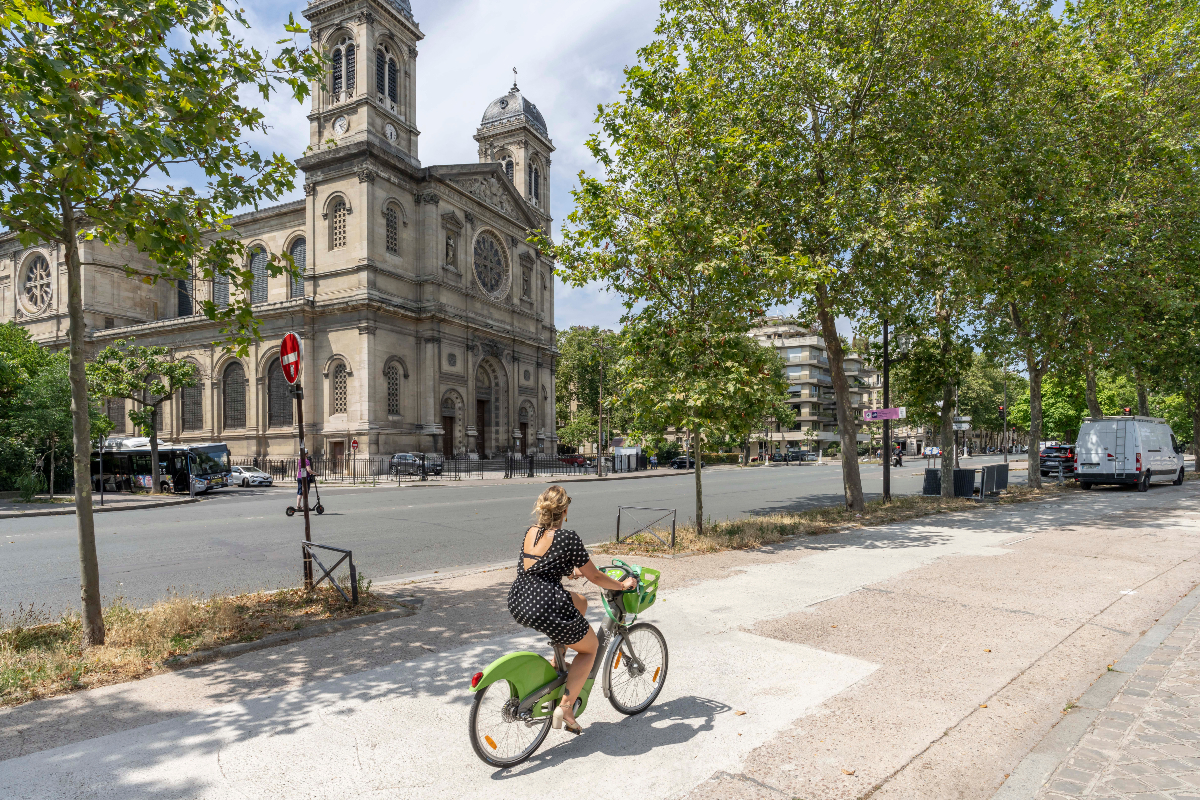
point(662, 725)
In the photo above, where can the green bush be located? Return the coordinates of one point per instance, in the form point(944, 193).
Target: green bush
point(30, 485)
point(15, 460)
point(721, 458)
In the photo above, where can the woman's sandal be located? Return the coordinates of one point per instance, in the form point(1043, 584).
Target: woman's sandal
point(557, 723)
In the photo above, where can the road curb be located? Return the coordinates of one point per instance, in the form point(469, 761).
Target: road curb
point(290, 637)
point(1037, 767)
point(64, 512)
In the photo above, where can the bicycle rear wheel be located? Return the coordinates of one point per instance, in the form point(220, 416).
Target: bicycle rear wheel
point(497, 736)
point(632, 687)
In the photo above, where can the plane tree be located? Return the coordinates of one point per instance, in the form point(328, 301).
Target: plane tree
point(100, 102)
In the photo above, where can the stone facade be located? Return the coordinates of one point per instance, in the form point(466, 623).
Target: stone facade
point(427, 319)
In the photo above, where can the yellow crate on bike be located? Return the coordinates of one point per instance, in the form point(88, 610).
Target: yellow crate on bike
point(647, 591)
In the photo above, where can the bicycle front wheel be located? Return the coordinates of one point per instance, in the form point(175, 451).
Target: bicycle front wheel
point(632, 684)
point(497, 736)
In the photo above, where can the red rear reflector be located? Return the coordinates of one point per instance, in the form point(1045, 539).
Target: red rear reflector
point(475, 679)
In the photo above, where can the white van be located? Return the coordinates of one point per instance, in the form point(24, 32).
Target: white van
point(1131, 450)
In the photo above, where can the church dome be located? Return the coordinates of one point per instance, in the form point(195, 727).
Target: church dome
point(402, 6)
point(511, 107)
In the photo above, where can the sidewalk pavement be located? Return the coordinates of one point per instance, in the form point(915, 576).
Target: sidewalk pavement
point(917, 660)
point(1145, 741)
point(10, 509)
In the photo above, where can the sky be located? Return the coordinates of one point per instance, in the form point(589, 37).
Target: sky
point(569, 55)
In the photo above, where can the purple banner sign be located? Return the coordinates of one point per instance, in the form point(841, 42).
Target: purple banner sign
point(875, 415)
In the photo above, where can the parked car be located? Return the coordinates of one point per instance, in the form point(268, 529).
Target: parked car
point(807, 457)
point(1127, 450)
point(410, 464)
point(574, 460)
point(685, 462)
point(249, 476)
point(1055, 455)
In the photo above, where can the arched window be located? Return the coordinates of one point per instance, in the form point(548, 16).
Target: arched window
point(183, 297)
point(337, 226)
point(193, 408)
point(221, 290)
point(299, 253)
point(537, 185)
point(234, 394)
point(338, 390)
point(392, 92)
point(258, 266)
point(116, 414)
point(392, 374)
point(335, 85)
point(508, 168)
point(380, 72)
point(279, 399)
point(391, 229)
point(342, 72)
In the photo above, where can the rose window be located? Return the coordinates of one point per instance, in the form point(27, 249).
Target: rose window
point(489, 263)
point(37, 285)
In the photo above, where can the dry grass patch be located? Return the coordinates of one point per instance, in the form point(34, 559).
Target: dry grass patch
point(759, 531)
point(43, 657)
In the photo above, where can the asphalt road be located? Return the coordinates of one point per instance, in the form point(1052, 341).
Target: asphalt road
point(240, 540)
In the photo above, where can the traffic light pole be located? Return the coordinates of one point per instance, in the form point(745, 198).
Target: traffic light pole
point(887, 423)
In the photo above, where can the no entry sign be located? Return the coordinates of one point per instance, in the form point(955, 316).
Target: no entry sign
point(354, 445)
point(291, 355)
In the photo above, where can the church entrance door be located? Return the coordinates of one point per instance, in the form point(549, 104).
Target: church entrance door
point(337, 451)
point(525, 438)
point(448, 437)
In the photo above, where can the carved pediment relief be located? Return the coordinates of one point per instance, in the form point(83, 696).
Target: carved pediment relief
point(490, 191)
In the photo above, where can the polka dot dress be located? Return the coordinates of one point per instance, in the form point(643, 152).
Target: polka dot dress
point(537, 598)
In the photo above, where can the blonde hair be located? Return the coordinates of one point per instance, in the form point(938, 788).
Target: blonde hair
point(551, 507)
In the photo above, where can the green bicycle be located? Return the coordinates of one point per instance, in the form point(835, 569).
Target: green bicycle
point(516, 694)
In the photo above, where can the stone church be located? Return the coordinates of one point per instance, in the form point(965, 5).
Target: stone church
point(427, 319)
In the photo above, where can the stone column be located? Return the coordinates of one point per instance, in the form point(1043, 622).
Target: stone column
point(367, 407)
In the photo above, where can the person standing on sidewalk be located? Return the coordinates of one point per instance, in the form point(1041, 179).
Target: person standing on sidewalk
point(303, 471)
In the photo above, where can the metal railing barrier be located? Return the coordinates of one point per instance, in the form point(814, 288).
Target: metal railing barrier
point(307, 549)
point(649, 526)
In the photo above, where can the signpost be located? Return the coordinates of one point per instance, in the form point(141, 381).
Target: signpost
point(354, 445)
point(962, 426)
point(882, 414)
point(291, 359)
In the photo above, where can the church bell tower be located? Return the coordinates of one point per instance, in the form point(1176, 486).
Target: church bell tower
point(513, 133)
point(368, 91)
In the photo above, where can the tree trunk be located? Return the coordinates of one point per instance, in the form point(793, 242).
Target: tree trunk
point(1143, 399)
point(699, 488)
point(1196, 427)
point(1093, 403)
point(81, 429)
point(1034, 460)
point(154, 449)
point(948, 444)
point(52, 467)
point(851, 480)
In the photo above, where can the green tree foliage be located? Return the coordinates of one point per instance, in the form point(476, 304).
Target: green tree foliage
point(583, 428)
point(149, 376)
point(35, 407)
point(100, 102)
point(658, 226)
point(577, 378)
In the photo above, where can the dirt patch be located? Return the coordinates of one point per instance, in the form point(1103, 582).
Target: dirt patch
point(40, 657)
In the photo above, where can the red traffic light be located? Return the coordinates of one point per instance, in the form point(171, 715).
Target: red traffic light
point(1126, 410)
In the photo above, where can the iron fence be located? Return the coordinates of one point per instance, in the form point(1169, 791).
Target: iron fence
point(420, 466)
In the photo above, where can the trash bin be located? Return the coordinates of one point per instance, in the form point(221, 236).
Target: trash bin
point(964, 483)
point(933, 482)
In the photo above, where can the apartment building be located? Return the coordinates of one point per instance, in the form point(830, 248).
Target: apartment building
point(810, 387)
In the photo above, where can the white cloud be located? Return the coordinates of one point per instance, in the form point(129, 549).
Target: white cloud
point(569, 55)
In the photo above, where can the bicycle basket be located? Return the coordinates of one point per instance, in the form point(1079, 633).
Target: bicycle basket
point(647, 591)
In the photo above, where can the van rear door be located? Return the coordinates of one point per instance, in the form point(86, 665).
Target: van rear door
point(1095, 447)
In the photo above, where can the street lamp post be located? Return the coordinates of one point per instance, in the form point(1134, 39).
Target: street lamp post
point(887, 423)
point(1005, 414)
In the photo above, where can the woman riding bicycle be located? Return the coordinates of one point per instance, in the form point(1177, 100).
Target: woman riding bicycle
point(538, 600)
